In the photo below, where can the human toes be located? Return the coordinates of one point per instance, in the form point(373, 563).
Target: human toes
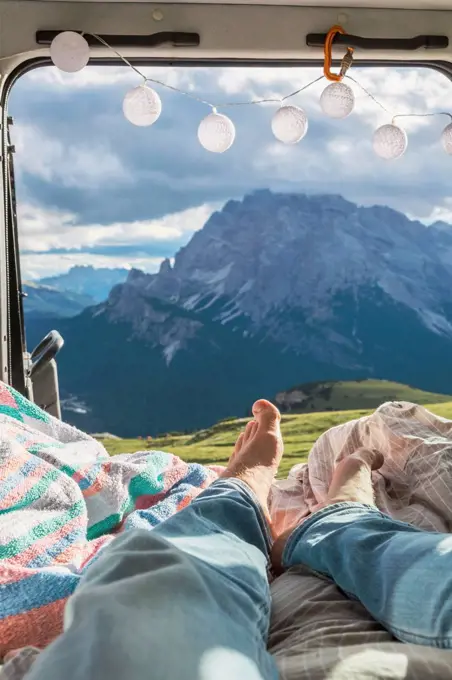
point(267, 435)
point(238, 444)
point(250, 430)
point(267, 416)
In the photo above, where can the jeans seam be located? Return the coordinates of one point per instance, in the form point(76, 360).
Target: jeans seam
point(244, 488)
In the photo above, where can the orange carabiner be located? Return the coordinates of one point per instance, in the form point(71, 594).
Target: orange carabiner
point(327, 50)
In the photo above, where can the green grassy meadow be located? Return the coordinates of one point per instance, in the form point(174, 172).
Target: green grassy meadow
point(300, 431)
point(357, 394)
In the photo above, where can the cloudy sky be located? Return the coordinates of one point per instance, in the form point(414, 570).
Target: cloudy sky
point(94, 189)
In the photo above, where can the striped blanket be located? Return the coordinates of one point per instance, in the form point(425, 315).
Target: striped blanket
point(62, 499)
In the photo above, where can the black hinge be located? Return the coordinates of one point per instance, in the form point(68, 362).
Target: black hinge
point(174, 38)
point(428, 42)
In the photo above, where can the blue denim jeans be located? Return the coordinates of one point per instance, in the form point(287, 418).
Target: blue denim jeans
point(187, 600)
point(402, 575)
point(190, 599)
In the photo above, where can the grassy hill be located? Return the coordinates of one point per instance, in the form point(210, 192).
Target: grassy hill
point(215, 444)
point(351, 395)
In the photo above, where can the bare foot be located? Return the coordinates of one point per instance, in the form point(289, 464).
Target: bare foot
point(352, 478)
point(258, 451)
point(351, 482)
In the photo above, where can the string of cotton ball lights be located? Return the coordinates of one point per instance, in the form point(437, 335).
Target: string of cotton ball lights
point(142, 106)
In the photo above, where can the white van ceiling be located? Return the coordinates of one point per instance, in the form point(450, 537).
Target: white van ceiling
point(403, 4)
point(248, 31)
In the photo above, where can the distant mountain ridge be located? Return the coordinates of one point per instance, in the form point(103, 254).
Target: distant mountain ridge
point(94, 282)
point(45, 301)
point(68, 294)
point(274, 288)
point(311, 249)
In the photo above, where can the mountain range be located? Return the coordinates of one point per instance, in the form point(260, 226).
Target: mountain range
point(45, 301)
point(68, 294)
point(96, 282)
point(275, 290)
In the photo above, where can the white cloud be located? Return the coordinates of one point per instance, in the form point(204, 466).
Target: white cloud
point(164, 162)
point(402, 91)
point(237, 80)
point(96, 77)
point(420, 90)
point(99, 76)
point(48, 264)
point(399, 90)
point(440, 213)
point(69, 165)
point(288, 163)
point(42, 229)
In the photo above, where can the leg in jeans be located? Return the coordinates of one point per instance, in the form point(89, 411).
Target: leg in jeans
point(401, 574)
point(189, 599)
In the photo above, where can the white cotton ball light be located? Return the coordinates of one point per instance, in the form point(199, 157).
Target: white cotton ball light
point(289, 124)
point(446, 139)
point(142, 106)
point(390, 141)
point(69, 51)
point(337, 100)
point(216, 132)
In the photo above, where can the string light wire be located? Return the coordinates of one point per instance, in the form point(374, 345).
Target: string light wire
point(275, 100)
point(368, 94)
point(118, 54)
point(422, 115)
point(251, 102)
point(216, 132)
point(213, 106)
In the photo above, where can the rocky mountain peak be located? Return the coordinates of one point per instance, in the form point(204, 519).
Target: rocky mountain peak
point(273, 254)
point(165, 267)
point(135, 276)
